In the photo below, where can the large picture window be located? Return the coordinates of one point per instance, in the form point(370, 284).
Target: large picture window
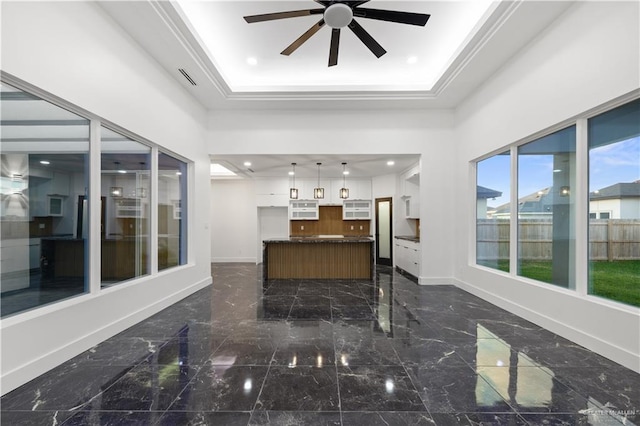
point(614, 204)
point(46, 184)
point(43, 181)
point(493, 211)
point(546, 208)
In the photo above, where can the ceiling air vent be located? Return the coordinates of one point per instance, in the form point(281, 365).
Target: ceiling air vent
point(187, 76)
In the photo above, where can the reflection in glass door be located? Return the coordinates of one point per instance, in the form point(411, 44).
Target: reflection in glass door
point(383, 231)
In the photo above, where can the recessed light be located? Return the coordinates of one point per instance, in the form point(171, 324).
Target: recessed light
point(122, 171)
point(390, 163)
point(45, 162)
point(557, 170)
point(247, 163)
point(412, 60)
point(252, 61)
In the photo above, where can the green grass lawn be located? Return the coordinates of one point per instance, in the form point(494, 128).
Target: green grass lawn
point(618, 280)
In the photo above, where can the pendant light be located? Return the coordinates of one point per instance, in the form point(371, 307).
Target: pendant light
point(344, 191)
point(293, 191)
point(318, 192)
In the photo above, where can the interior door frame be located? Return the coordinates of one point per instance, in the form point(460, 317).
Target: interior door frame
point(379, 260)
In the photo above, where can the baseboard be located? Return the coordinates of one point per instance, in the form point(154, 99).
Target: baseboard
point(602, 347)
point(233, 260)
point(436, 281)
point(28, 371)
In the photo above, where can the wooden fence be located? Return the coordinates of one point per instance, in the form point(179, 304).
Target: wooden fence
point(609, 239)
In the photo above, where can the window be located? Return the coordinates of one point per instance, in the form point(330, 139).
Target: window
point(546, 208)
point(614, 195)
point(43, 242)
point(44, 204)
point(493, 177)
point(172, 211)
point(125, 171)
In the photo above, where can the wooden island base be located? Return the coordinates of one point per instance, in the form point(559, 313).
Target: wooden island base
point(337, 258)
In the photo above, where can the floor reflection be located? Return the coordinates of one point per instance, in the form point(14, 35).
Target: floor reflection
point(340, 352)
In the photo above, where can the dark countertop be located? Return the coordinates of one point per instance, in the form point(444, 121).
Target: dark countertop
point(408, 238)
point(320, 240)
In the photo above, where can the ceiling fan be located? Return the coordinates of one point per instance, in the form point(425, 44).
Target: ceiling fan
point(338, 14)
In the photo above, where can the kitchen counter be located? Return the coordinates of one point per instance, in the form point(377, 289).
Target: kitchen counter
point(318, 239)
point(319, 257)
point(408, 238)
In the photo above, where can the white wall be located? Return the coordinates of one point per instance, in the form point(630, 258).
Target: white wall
point(76, 52)
point(571, 68)
point(425, 132)
point(234, 221)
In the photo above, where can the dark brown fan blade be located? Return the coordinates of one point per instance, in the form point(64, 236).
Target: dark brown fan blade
point(304, 37)
point(282, 15)
point(333, 50)
point(392, 16)
point(366, 38)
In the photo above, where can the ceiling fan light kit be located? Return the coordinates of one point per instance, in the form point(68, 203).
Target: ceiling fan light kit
point(340, 14)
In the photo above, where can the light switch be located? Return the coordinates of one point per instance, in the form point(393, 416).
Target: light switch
point(302, 227)
point(352, 227)
point(41, 225)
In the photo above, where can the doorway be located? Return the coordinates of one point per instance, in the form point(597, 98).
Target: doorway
point(384, 237)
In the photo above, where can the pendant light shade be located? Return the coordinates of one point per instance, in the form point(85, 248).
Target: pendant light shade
point(318, 192)
point(293, 191)
point(344, 191)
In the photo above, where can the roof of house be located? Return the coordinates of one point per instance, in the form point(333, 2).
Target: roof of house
point(483, 192)
point(534, 202)
point(617, 190)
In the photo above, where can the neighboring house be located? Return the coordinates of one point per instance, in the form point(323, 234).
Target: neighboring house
point(482, 195)
point(618, 201)
point(537, 205)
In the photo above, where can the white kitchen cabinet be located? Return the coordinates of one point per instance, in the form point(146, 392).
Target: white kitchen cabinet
point(55, 205)
point(59, 184)
point(304, 210)
point(412, 208)
point(272, 192)
point(359, 189)
point(407, 256)
point(356, 210)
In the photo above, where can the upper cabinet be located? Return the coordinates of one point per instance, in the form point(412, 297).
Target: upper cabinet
point(60, 184)
point(410, 191)
point(356, 210)
point(359, 189)
point(410, 182)
point(272, 192)
point(304, 210)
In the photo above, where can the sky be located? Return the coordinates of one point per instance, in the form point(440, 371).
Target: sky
point(608, 165)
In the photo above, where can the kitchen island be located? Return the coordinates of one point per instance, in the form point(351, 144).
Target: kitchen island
point(333, 257)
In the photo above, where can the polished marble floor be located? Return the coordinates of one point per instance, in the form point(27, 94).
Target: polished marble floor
point(332, 352)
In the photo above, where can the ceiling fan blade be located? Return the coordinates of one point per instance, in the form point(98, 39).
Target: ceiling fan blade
point(366, 38)
point(304, 37)
point(392, 16)
point(333, 49)
point(282, 15)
